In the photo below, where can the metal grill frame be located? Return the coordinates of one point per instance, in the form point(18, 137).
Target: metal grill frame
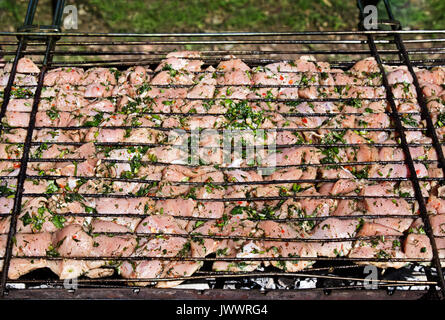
point(50, 39)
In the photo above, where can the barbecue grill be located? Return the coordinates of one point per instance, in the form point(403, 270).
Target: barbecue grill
point(329, 278)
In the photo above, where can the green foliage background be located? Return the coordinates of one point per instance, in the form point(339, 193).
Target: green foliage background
point(219, 15)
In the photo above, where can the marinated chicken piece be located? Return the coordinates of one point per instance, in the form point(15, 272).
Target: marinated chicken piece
point(29, 245)
point(148, 269)
point(233, 247)
point(120, 205)
point(388, 207)
point(201, 91)
point(168, 77)
point(368, 65)
point(343, 186)
point(176, 207)
point(380, 248)
point(98, 75)
point(64, 100)
point(160, 246)
point(333, 228)
point(167, 154)
point(399, 75)
point(19, 267)
point(136, 76)
point(71, 269)
point(438, 224)
point(20, 105)
point(370, 229)
point(179, 63)
point(177, 270)
point(286, 249)
point(35, 217)
point(26, 65)
point(61, 76)
point(396, 171)
point(4, 224)
point(73, 241)
point(418, 246)
point(436, 205)
point(202, 247)
point(293, 156)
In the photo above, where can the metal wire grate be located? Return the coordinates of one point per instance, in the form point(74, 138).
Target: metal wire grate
point(341, 49)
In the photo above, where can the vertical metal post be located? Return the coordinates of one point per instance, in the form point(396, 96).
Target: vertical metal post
point(50, 45)
point(21, 46)
point(409, 161)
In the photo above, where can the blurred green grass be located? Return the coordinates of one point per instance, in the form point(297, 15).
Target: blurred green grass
point(220, 15)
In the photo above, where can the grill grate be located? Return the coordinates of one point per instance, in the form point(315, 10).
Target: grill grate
point(83, 50)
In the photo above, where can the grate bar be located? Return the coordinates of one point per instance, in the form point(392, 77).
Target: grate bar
point(352, 163)
point(231, 259)
point(206, 53)
point(191, 183)
point(222, 130)
point(191, 218)
point(316, 145)
point(224, 237)
point(126, 196)
point(226, 34)
point(215, 275)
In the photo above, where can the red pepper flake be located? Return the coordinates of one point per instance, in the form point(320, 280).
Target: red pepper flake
point(240, 202)
point(418, 171)
point(282, 230)
point(16, 165)
point(291, 81)
point(264, 93)
point(304, 120)
point(281, 78)
point(75, 236)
